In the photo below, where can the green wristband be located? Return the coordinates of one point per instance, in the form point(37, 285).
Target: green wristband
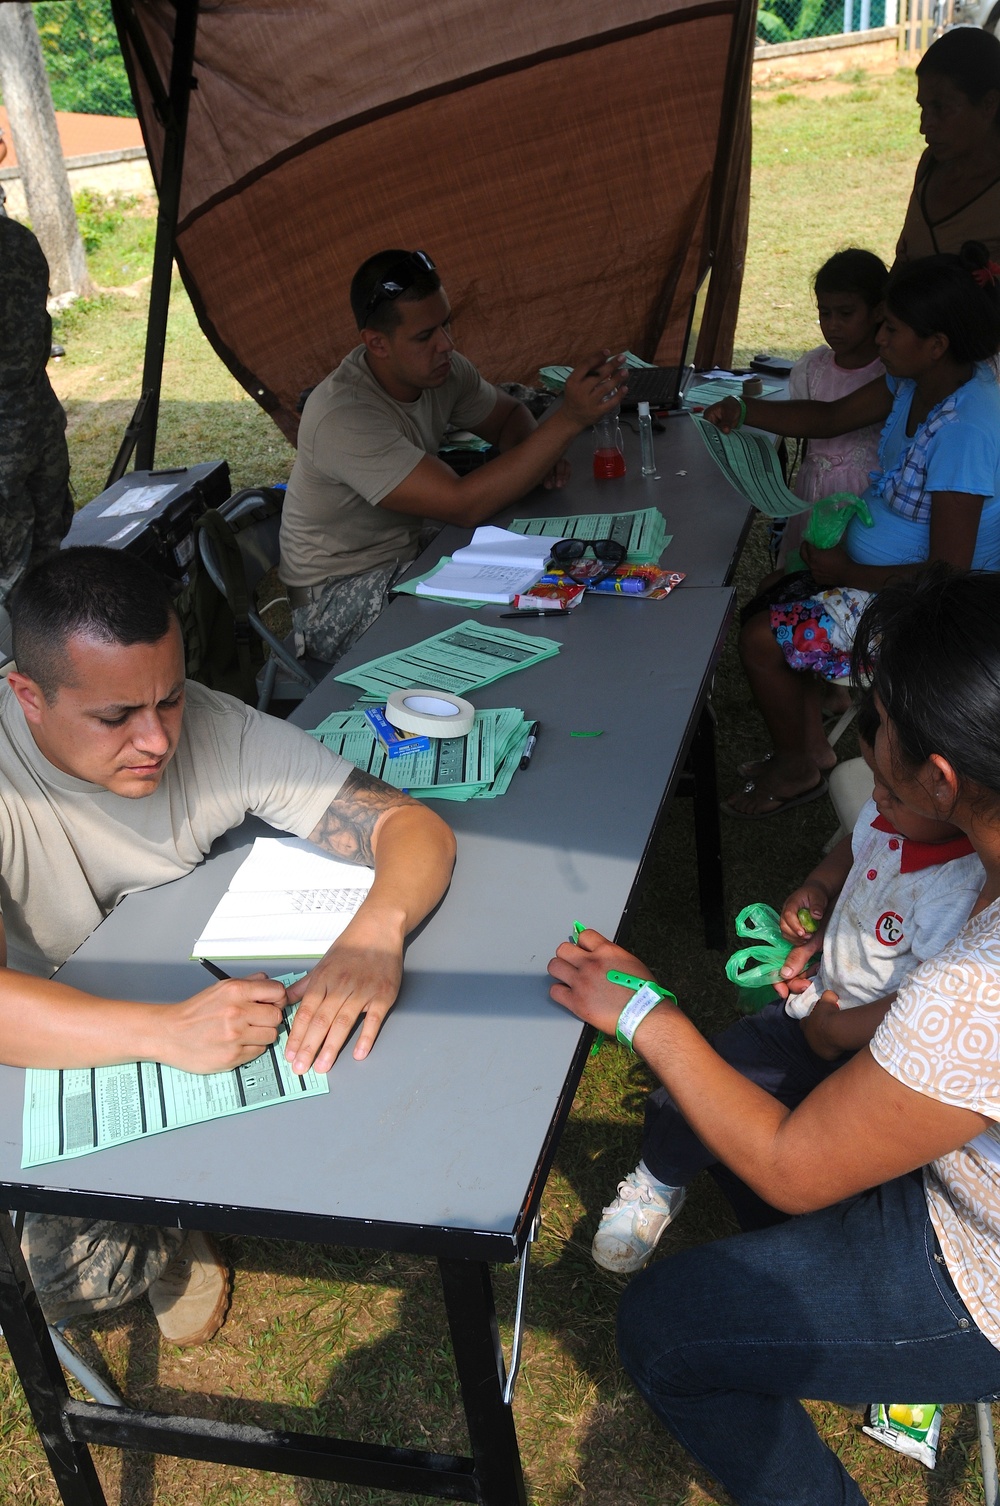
point(645, 996)
point(743, 412)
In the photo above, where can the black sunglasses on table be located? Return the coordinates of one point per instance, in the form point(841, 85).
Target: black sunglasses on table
point(568, 556)
point(398, 279)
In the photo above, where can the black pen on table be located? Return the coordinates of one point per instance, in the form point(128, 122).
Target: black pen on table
point(539, 612)
point(529, 746)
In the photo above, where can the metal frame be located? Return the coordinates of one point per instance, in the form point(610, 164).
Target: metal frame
point(171, 106)
point(491, 1476)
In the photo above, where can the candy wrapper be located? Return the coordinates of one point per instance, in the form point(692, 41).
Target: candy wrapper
point(549, 595)
point(912, 1429)
point(647, 581)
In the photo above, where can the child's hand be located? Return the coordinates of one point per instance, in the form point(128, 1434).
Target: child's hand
point(828, 567)
point(804, 908)
point(812, 898)
point(820, 1027)
point(727, 415)
point(582, 984)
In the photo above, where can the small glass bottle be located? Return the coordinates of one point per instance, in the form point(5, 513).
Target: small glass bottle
point(609, 456)
point(646, 440)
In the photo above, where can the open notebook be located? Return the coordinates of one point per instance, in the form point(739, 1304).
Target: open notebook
point(287, 900)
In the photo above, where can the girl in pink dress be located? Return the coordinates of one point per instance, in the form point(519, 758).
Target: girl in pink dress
point(849, 290)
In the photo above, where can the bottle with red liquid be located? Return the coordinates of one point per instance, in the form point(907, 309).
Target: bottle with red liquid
point(609, 456)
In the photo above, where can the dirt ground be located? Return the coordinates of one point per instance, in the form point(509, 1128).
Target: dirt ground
point(819, 75)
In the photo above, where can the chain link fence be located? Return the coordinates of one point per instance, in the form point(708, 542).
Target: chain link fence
point(797, 20)
point(82, 57)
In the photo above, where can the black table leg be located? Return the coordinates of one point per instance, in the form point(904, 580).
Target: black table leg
point(708, 833)
point(41, 1375)
point(468, 1298)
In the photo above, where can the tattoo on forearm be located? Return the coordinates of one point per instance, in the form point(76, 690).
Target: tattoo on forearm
point(346, 827)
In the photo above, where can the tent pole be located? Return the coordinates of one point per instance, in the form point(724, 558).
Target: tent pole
point(171, 172)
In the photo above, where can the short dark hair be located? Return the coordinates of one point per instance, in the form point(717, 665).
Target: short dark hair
point(853, 271)
point(384, 315)
point(930, 650)
point(943, 295)
point(969, 57)
point(98, 593)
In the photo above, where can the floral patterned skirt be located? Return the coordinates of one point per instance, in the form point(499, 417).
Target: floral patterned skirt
point(813, 626)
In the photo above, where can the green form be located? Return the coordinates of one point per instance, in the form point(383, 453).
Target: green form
point(750, 463)
point(644, 533)
point(707, 393)
point(477, 767)
point(463, 658)
point(75, 1110)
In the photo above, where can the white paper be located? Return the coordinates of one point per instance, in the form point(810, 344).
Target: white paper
point(136, 499)
point(500, 546)
point(288, 899)
point(123, 533)
point(470, 581)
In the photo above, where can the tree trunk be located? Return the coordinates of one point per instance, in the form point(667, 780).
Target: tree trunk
point(28, 99)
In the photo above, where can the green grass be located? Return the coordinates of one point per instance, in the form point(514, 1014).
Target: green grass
point(352, 1341)
point(828, 172)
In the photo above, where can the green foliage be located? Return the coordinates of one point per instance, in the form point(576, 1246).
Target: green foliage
point(99, 215)
point(82, 57)
point(793, 20)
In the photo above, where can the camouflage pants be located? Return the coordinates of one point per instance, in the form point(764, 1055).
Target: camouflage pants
point(342, 609)
point(36, 508)
point(80, 1266)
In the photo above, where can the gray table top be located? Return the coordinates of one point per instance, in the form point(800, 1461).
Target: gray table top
point(709, 521)
point(440, 1140)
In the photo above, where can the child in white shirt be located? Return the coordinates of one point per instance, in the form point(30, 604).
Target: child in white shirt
point(884, 900)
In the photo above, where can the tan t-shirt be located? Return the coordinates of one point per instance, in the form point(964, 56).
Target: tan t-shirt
point(942, 1038)
point(70, 850)
point(355, 445)
point(978, 220)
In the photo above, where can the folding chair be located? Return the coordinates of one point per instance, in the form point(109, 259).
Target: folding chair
point(988, 1453)
point(282, 676)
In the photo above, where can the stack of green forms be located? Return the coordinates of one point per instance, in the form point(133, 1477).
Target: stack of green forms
point(554, 377)
point(462, 658)
point(478, 767)
point(644, 533)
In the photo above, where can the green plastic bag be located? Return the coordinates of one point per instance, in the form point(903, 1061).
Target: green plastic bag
point(758, 966)
point(829, 518)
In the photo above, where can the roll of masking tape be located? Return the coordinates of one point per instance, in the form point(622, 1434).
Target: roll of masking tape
point(430, 713)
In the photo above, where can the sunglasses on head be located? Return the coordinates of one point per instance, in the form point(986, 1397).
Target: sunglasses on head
point(569, 554)
point(397, 280)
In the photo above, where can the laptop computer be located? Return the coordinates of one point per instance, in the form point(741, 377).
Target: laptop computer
point(662, 387)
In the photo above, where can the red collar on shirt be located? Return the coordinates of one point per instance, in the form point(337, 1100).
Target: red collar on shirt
point(917, 855)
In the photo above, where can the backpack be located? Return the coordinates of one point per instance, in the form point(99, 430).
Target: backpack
point(222, 647)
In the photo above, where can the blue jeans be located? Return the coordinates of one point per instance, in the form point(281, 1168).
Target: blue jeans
point(851, 1304)
point(769, 1049)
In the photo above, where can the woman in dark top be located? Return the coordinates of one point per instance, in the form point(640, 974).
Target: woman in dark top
point(956, 194)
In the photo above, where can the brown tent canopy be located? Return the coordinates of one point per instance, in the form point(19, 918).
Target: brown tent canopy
point(570, 167)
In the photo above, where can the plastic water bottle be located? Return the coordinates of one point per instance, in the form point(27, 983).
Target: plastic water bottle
point(646, 440)
point(609, 457)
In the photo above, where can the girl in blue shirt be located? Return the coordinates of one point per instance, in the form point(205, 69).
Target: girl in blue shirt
point(936, 497)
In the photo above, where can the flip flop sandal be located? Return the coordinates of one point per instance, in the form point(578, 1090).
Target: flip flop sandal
point(753, 766)
point(750, 788)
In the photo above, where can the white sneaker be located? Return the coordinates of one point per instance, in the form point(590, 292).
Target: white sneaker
point(632, 1226)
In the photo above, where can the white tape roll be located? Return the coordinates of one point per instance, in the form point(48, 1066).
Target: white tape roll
point(430, 713)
